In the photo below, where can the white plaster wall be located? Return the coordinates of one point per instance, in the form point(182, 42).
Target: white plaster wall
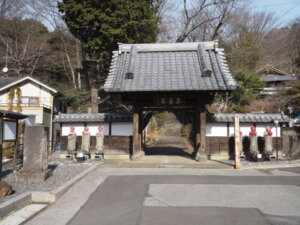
point(66, 128)
point(122, 129)
point(38, 113)
point(117, 128)
point(3, 98)
point(244, 127)
point(94, 128)
point(46, 97)
point(220, 129)
point(216, 129)
point(30, 89)
point(261, 128)
point(79, 127)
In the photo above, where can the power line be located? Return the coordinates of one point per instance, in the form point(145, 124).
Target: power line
point(288, 10)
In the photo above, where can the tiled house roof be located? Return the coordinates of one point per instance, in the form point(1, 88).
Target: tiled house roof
point(247, 117)
point(272, 77)
point(199, 66)
point(4, 81)
point(96, 117)
point(268, 69)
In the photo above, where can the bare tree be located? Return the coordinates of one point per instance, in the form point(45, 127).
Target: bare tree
point(202, 20)
point(46, 11)
point(282, 47)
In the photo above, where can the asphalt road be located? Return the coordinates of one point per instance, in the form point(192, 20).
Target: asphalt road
point(179, 199)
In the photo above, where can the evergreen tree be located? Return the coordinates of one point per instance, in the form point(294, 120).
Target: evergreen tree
point(101, 25)
point(249, 89)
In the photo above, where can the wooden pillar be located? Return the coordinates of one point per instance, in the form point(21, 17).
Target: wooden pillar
point(141, 121)
point(237, 144)
point(202, 116)
point(135, 133)
point(200, 133)
point(197, 131)
point(1, 144)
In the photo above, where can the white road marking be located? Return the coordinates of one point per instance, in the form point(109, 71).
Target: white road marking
point(281, 200)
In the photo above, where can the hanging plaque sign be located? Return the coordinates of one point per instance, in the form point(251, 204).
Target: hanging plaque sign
point(169, 101)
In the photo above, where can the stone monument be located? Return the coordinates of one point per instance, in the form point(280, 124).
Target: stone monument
point(35, 164)
point(253, 144)
point(85, 144)
point(268, 144)
point(71, 143)
point(99, 154)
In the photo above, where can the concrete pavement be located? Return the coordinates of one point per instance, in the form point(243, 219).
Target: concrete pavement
point(112, 196)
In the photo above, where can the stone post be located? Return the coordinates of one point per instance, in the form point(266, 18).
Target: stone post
point(35, 164)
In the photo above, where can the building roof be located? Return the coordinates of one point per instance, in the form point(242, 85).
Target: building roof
point(268, 69)
point(4, 81)
point(275, 77)
point(97, 117)
point(12, 115)
point(248, 117)
point(199, 66)
point(8, 82)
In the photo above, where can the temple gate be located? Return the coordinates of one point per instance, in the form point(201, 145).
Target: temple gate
point(158, 77)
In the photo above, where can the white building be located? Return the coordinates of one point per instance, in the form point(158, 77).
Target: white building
point(32, 98)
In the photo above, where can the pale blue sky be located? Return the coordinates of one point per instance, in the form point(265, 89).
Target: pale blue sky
point(285, 10)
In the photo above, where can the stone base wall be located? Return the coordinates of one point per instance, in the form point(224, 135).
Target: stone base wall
point(225, 145)
point(113, 145)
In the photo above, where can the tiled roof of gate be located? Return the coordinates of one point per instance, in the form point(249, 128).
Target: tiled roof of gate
point(248, 117)
point(169, 67)
point(96, 117)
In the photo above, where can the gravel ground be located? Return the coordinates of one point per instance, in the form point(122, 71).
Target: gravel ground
point(61, 174)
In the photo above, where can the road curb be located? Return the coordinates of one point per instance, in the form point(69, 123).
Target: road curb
point(176, 166)
point(15, 204)
point(27, 198)
point(52, 196)
point(275, 166)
